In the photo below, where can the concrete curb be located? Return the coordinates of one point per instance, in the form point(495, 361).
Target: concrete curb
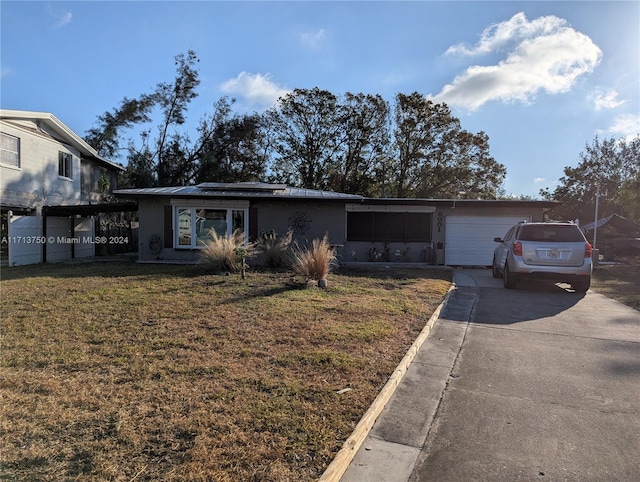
point(345, 455)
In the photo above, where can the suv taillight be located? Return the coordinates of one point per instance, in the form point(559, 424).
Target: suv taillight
point(517, 248)
point(588, 250)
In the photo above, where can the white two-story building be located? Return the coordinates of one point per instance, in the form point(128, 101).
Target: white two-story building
point(51, 184)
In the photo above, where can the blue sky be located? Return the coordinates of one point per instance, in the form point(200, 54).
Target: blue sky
point(542, 79)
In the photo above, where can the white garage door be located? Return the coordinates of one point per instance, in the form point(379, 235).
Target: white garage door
point(469, 239)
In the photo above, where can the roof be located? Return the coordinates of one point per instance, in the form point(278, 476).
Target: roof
point(616, 221)
point(463, 202)
point(237, 190)
point(58, 131)
point(261, 190)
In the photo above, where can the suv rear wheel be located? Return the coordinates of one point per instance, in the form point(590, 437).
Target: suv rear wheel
point(582, 286)
point(509, 280)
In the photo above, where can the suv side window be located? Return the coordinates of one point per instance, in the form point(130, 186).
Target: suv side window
point(509, 235)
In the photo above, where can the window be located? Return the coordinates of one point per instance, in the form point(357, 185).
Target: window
point(359, 226)
point(550, 233)
point(418, 226)
point(9, 150)
point(388, 226)
point(509, 235)
point(194, 225)
point(64, 164)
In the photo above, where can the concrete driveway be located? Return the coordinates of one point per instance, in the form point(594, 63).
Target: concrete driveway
point(539, 383)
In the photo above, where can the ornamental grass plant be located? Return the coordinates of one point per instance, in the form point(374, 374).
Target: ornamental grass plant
point(274, 248)
point(315, 262)
point(227, 253)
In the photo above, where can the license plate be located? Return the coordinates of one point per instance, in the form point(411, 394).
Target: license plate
point(553, 254)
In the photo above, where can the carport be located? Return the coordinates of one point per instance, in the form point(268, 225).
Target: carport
point(79, 211)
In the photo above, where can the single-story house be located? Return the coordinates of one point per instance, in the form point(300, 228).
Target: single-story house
point(174, 221)
point(618, 223)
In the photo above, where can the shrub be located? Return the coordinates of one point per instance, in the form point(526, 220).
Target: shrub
point(315, 262)
point(275, 249)
point(226, 253)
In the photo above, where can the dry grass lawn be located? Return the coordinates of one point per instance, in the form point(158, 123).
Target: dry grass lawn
point(619, 281)
point(127, 372)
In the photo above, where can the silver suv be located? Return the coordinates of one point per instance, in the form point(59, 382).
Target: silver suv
point(554, 251)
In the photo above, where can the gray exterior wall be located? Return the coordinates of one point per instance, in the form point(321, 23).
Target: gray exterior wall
point(415, 252)
point(308, 220)
point(151, 218)
point(536, 212)
point(314, 219)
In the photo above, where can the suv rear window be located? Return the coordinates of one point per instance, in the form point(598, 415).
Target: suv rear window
point(550, 233)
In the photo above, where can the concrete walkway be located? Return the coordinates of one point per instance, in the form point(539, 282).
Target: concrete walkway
point(539, 383)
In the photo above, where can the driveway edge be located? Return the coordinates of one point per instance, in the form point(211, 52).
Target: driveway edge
point(345, 455)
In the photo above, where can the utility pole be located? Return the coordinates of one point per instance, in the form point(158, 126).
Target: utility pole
point(595, 225)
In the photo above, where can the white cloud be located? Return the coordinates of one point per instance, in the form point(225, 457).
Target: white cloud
point(608, 100)
point(539, 180)
point(5, 72)
point(256, 89)
point(545, 54)
point(626, 126)
point(315, 40)
point(64, 20)
point(506, 34)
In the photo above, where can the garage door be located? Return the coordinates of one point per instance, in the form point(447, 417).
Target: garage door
point(469, 239)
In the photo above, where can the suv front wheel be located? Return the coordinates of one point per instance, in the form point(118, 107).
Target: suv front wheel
point(509, 280)
point(495, 272)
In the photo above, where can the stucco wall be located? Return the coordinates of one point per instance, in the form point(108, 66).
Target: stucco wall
point(419, 252)
point(308, 220)
point(314, 220)
point(151, 217)
point(311, 220)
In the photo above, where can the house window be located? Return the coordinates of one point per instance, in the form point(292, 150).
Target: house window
point(9, 150)
point(195, 225)
point(388, 226)
point(64, 164)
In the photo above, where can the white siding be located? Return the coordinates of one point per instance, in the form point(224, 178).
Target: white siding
point(36, 182)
